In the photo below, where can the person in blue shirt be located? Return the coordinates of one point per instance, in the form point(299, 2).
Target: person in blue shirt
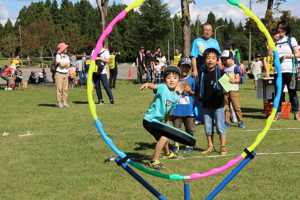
point(184, 111)
point(18, 78)
point(165, 99)
point(200, 45)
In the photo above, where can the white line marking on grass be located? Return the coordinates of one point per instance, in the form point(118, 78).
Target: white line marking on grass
point(255, 130)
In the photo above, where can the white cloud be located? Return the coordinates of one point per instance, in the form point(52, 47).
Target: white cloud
point(236, 14)
point(172, 3)
point(4, 13)
point(127, 2)
point(92, 2)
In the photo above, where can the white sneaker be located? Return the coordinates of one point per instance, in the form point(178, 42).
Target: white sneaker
point(5, 89)
point(9, 88)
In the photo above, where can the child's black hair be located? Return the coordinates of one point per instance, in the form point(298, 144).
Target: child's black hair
point(211, 50)
point(169, 72)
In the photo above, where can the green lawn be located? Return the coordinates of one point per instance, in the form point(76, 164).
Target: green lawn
point(64, 158)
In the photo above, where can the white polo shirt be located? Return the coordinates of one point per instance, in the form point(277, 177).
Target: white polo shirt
point(62, 58)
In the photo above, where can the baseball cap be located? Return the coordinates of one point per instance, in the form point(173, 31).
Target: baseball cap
point(185, 61)
point(142, 48)
point(229, 42)
point(172, 69)
point(227, 54)
point(17, 66)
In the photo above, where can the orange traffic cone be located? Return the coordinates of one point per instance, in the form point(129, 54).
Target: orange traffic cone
point(130, 74)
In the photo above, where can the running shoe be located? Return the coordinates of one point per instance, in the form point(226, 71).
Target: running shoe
point(241, 125)
point(156, 165)
point(172, 156)
point(176, 148)
point(297, 117)
point(188, 149)
point(227, 125)
point(276, 118)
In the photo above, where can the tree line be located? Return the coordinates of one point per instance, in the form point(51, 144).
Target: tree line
point(41, 26)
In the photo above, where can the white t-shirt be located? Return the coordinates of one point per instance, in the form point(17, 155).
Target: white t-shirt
point(161, 61)
point(104, 55)
point(157, 69)
point(256, 67)
point(62, 58)
point(283, 48)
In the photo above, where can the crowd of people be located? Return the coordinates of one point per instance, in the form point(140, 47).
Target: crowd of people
point(198, 76)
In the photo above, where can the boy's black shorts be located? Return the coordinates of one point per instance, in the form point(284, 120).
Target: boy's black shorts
point(159, 129)
point(147, 125)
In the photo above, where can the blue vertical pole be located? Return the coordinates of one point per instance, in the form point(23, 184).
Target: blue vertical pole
point(186, 182)
point(230, 177)
point(141, 180)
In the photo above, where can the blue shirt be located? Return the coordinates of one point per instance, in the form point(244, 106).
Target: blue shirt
point(163, 101)
point(185, 101)
point(199, 46)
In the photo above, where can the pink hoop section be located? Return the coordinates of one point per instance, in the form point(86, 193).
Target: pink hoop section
point(107, 32)
point(217, 170)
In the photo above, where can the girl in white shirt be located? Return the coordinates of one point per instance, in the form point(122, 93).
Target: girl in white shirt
point(287, 49)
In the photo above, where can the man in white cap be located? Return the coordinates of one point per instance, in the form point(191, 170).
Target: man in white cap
point(61, 76)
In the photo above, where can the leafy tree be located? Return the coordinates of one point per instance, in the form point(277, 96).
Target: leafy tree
point(67, 14)
point(155, 22)
point(30, 41)
point(54, 11)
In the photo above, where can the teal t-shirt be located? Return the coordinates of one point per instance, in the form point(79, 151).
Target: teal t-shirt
point(163, 101)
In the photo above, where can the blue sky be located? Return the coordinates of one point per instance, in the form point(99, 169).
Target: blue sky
point(221, 8)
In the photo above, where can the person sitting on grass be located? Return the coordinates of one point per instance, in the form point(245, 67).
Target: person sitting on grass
point(211, 93)
point(7, 75)
point(18, 78)
point(165, 99)
point(232, 97)
point(184, 111)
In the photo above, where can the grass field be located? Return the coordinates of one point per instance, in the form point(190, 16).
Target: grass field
point(64, 158)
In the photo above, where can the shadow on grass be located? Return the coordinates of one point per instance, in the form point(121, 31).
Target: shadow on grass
point(80, 102)
point(139, 158)
point(48, 105)
point(252, 110)
point(144, 146)
point(255, 116)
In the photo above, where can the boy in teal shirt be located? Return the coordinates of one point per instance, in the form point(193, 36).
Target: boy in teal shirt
point(165, 99)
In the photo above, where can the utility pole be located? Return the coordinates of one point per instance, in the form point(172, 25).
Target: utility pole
point(173, 38)
point(249, 55)
point(198, 26)
point(20, 42)
point(216, 30)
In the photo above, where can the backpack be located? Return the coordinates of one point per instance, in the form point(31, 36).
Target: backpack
point(53, 65)
point(3, 68)
point(99, 64)
point(87, 64)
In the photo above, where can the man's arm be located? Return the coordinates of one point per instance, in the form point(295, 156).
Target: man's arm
point(195, 71)
point(137, 62)
point(266, 66)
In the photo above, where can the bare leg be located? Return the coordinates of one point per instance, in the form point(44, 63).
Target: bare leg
point(210, 140)
point(223, 140)
point(161, 144)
